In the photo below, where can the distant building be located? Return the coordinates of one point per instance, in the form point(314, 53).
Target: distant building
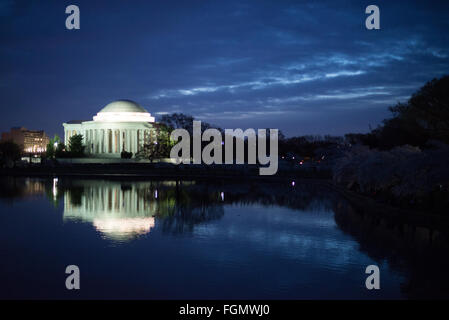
point(31, 141)
point(122, 125)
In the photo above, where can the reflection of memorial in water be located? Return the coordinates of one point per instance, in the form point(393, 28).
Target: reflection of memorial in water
point(125, 209)
point(122, 210)
point(116, 210)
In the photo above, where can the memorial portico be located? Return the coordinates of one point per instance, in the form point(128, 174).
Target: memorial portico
point(122, 125)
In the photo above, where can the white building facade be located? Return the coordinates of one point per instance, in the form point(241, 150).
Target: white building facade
point(122, 125)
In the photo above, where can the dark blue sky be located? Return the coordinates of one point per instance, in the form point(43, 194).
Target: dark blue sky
point(305, 67)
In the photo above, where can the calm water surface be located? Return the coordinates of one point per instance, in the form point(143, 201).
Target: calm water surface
point(192, 239)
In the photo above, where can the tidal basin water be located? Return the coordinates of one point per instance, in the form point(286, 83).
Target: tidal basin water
point(205, 240)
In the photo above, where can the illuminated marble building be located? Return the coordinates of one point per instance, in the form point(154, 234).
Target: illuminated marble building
point(122, 125)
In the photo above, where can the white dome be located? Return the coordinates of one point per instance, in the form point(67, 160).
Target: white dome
point(123, 106)
point(123, 111)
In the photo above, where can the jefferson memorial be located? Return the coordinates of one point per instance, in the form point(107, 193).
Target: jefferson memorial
point(122, 125)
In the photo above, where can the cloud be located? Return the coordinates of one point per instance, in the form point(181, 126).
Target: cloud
point(280, 63)
point(258, 84)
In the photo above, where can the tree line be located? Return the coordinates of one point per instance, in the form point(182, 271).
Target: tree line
point(419, 122)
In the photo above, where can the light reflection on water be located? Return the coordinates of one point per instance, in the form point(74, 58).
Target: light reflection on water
point(192, 239)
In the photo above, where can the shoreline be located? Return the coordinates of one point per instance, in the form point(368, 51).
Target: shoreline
point(163, 170)
point(136, 171)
